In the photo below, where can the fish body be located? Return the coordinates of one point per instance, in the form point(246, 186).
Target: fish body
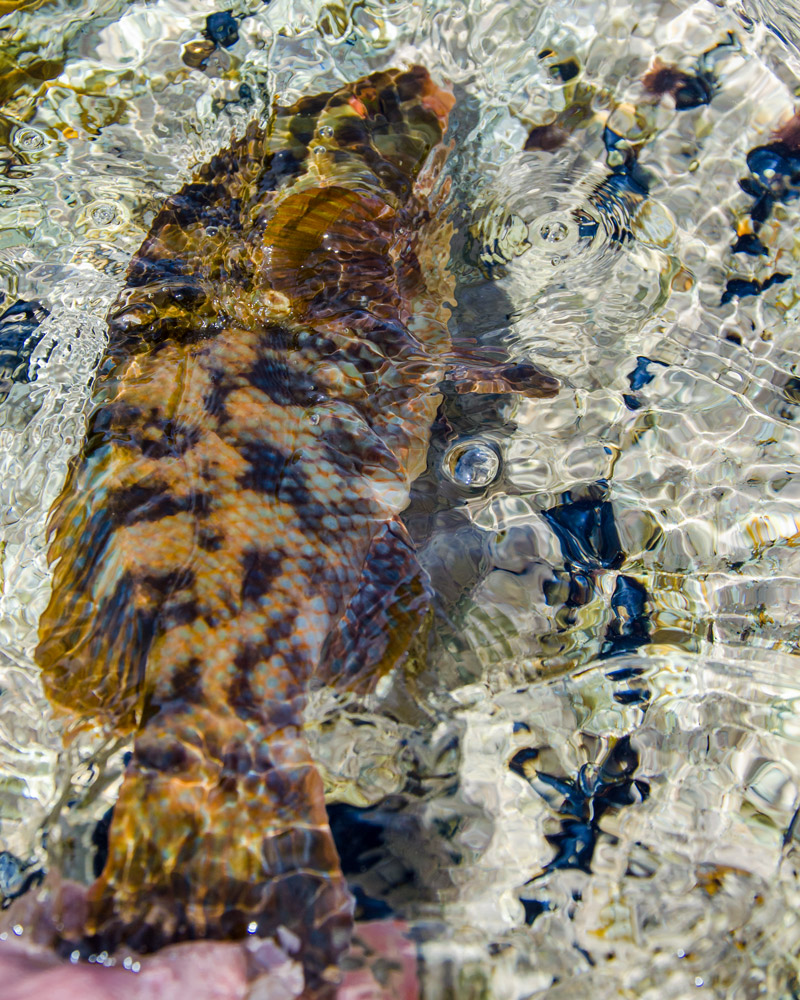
point(228, 535)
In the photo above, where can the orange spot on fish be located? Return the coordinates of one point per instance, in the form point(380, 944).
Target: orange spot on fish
point(439, 101)
point(357, 106)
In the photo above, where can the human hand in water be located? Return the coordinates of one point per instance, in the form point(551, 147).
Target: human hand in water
point(203, 970)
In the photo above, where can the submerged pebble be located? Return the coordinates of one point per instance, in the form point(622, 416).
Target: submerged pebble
point(221, 27)
point(18, 338)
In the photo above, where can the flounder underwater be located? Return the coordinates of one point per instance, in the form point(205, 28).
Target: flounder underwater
point(228, 536)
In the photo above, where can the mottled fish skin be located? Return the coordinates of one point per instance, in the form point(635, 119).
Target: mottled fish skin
point(266, 400)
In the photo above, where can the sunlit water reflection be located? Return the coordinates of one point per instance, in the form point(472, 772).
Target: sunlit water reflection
point(595, 774)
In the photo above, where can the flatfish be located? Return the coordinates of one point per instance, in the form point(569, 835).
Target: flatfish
point(228, 535)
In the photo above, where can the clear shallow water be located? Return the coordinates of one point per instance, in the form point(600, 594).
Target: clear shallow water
point(591, 786)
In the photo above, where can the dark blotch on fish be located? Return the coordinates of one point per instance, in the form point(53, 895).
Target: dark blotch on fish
point(284, 384)
point(174, 440)
point(174, 614)
point(164, 756)
point(206, 204)
point(187, 682)
point(209, 541)
point(260, 569)
point(282, 165)
point(241, 696)
point(268, 467)
point(149, 503)
point(165, 584)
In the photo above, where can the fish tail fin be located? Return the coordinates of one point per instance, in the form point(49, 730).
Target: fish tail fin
point(221, 833)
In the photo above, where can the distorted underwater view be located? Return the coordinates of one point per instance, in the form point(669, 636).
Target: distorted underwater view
point(400, 500)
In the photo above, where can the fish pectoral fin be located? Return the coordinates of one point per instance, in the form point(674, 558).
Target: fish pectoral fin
point(385, 615)
point(520, 376)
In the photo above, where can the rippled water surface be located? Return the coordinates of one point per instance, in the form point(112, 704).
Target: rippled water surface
point(590, 787)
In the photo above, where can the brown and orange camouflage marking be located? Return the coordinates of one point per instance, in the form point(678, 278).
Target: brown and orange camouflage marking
point(228, 535)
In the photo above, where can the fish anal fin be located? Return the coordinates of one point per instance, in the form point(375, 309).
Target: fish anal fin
point(384, 616)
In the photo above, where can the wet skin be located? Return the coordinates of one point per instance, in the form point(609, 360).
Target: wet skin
point(209, 970)
point(258, 969)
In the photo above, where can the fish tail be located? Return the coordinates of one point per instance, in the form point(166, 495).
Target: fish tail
point(220, 831)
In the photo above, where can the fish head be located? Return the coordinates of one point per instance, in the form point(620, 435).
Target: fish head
point(390, 121)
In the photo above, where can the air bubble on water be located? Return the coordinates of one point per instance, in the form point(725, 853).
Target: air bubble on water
point(557, 234)
point(319, 150)
point(471, 463)
point(28, 140)
point(75, 956)
point(326, 132)
point(17, 929)
point(554, 232)
point(105, 214)
point(252, 927)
